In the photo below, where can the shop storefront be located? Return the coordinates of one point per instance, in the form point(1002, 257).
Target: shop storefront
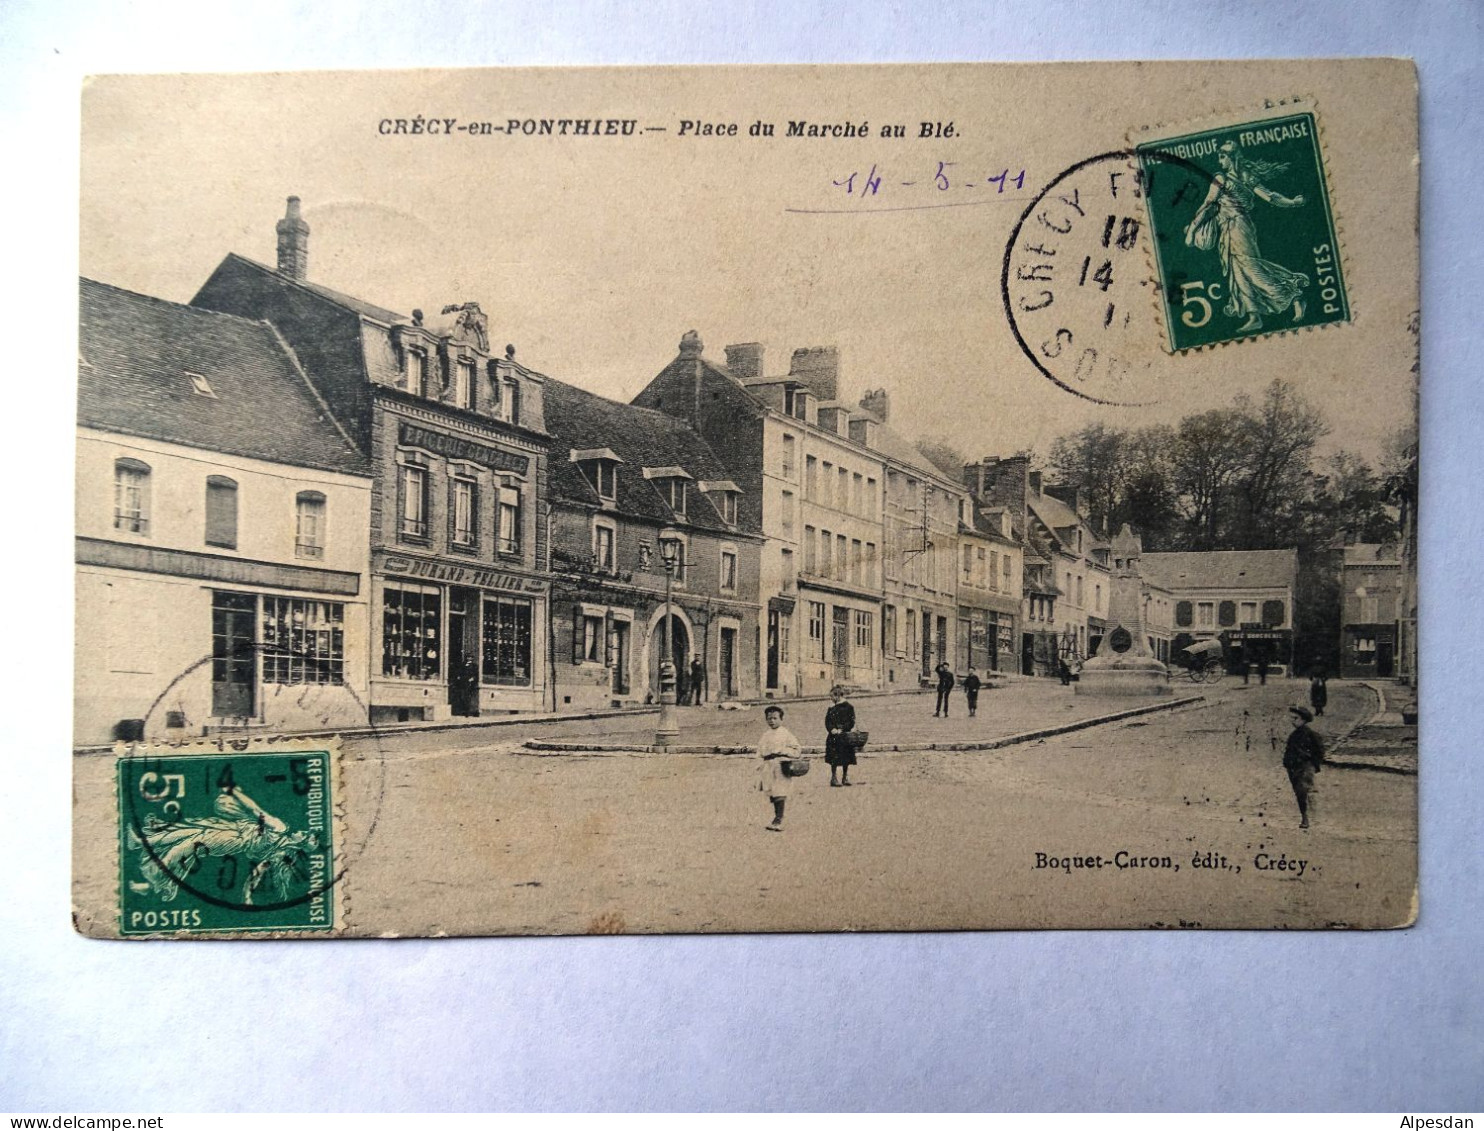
point(455, 639)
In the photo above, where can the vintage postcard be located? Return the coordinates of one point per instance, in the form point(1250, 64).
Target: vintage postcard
point(747, 499)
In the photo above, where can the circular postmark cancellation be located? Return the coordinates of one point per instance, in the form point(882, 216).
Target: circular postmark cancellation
point(1132, 257)
point(1077, 287)
point(240, 833)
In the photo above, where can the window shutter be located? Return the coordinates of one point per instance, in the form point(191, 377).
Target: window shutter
point(579, 634)
point(221, 512)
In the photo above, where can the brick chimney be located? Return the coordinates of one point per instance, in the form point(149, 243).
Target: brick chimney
point(1001, 483)
point(293, 243)
point(1034, 480)
point(878, 403)
point(745, 360)
point(819, 368)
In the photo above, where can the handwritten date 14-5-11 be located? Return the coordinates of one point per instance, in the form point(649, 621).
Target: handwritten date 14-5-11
point(949, 176)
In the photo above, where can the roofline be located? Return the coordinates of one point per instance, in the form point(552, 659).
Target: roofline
point(368, 475)
point(314, 392)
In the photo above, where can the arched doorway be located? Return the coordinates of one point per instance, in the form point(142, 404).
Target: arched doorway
point(680, 649)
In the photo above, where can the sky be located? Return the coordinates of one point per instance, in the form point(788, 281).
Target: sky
point(592, 255)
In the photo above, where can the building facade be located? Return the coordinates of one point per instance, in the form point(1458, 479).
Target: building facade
point(1244, 598)
point(810, 483)
point(458, 450)
point(222, 564)
point(623, 480)
point(991, 574)
point(1371, 592)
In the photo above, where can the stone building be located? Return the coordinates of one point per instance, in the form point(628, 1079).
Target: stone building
point(456, 438)
point(1244, 598)
point(1371, 593)
point(222, 564)
point(623, 480)
point(811, 481)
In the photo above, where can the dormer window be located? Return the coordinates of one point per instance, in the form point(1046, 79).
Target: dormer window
point(723, 494)
point(670, 482)
point(599, 466)
point(417, 372)
point(463, 383)
point(200, 385)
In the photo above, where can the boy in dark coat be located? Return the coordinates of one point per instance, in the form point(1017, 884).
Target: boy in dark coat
point(945, 685)
point(971, 690)
point(1302, 758)
point(1318, 694)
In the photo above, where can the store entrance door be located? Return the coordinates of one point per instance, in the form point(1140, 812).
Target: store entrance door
point(234, 660)
point(463, 651)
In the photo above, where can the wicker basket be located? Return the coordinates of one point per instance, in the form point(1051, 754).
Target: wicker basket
point(795, 767)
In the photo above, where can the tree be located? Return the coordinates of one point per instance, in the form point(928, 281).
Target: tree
point(1207, 458)
point(1096, 462)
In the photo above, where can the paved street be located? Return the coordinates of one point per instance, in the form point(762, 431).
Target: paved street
point(465, 830)
point(652, 842)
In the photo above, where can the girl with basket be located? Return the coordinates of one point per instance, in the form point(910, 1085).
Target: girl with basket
point(841, 744)
point(779, 751)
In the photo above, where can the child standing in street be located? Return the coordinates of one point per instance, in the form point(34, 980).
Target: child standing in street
point(971, 690)
point(1302, 758)
point(775, 746)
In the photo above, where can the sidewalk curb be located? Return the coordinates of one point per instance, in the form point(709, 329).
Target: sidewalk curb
point(537, 746)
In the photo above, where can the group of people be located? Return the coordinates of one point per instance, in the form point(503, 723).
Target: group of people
point(946, 680)
point(778, 747)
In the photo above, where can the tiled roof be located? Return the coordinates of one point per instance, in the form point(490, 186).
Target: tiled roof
point(1054, 513)
point(1222, 569)
point(1371, 553)
point(137, 355)
point(641, 438)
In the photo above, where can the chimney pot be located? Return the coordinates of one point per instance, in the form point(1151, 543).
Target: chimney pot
point(690, 344)
point(819, 368)
point(878, 403)
point(293, 243)
point(745, 360)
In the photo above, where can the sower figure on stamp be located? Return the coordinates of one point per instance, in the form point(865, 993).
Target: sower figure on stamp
point(839, 747)
point(1254, 286)
point(776, 745)
point(971, 690)
point(1302, 758)
point(945, 685)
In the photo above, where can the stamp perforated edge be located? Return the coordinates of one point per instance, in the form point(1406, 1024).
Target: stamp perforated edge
point(1217, 119)
point(257, 744)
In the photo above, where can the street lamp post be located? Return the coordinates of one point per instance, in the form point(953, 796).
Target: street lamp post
point(669, 727)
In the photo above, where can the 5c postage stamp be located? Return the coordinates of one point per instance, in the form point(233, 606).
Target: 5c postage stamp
point(1244, 233)
point(221, 843)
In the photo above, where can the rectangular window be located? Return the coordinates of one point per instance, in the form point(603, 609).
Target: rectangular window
point(603, 548)
point(816, 630)
point(871, 564)
point(842, 490)
point(811, 478)
point(842, 558)
point(410, 632)
point(870, 509)
point(303, 641)
point(508, 534)
point(786, 516)
point(463, 384)
point(826, 554)
point(589, 639)
point(1205, 614)
point(786, 468)
point(131, 496)
point(677, 495)
point(464, 513)
point(507, 641)
point(789, 578)
point(857, 493)
point(827, 484)
point(857, 560)
point(1249, 612)
point(726, 506)
point(417, 372)
point(221, 512)
point(728, 571)
point(785, 630)
point(863, 628)
point(414, 501)
point(309, 525)
point(968, 563)
point(811, 558)
point(601, 473)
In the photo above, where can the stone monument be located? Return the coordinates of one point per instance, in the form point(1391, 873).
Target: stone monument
point(1124, 666)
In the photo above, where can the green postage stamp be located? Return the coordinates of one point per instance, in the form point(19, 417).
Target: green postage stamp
point(221, 842)
point(1244, 232)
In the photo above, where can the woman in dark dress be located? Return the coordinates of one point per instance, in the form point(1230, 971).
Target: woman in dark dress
point(839, 751)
